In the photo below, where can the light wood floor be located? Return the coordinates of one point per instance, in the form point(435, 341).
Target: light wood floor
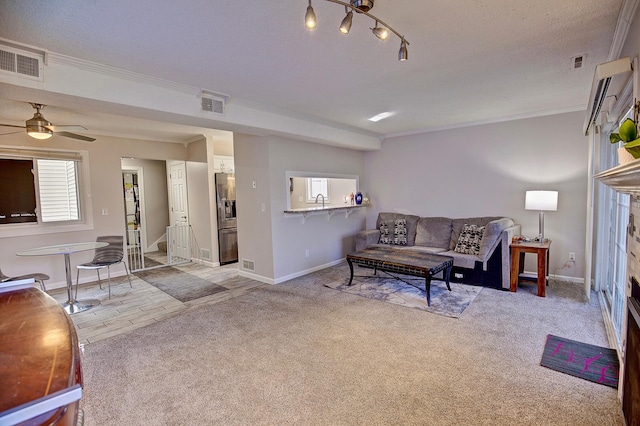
point(144, 304)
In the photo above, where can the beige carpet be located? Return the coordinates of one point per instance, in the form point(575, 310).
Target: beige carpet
point(301, 353)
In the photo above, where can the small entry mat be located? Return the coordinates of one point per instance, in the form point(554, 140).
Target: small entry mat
point(594, 363)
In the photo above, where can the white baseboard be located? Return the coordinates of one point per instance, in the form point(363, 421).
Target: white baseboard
point(307, 271)
point(280, 280)
point(255, 277)
point(559, 277)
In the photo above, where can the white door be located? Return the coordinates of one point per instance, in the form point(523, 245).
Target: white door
point(179, 238)
point(178, 205)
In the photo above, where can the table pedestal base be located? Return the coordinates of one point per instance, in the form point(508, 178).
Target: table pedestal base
point(76, 306)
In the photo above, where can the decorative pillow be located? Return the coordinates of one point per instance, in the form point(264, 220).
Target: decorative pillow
point(469, 240)
point(393, 232)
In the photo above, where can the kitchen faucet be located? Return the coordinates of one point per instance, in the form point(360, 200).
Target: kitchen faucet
point(320, 195)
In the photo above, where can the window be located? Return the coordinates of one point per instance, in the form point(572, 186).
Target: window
point(40, 191)
point(317, 187)
point(58, 190)
point(611, 256)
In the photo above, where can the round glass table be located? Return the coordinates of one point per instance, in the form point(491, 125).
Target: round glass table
point(72, 305)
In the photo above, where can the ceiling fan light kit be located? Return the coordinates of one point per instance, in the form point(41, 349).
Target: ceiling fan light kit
point(36, 126)
point(363, 7)
point(39, 127)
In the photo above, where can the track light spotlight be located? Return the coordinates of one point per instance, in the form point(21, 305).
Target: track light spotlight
point(380, 32)
point(310, 17)
point(403, 54)
point(345, 26)
point(363, 7)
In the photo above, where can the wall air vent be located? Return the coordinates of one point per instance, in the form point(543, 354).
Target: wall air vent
point(213, 105)
point(20, 63)
point(212, 101)
point(205, 254)
point(249, 265)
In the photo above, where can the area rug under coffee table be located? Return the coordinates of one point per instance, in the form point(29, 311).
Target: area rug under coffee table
point(179, 284)
point(389, 289)
point(594, 363)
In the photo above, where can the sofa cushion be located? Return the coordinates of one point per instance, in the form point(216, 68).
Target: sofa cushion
point(434, 232)
point(393, 232)
point(458, 224)
point(412, 223)
point(469, 240)
point(430, 250)
point(492, 233)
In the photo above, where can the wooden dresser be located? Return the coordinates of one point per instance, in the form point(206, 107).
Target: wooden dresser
point(40, 371)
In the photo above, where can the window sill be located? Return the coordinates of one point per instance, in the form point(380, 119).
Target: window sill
point(35, 229)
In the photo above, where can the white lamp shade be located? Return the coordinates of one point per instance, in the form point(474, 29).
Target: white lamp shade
point(541, 200)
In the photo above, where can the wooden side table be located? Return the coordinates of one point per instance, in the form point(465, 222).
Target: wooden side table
point(518, 250)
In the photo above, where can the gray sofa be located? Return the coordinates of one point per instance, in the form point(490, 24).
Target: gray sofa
point(479, 245)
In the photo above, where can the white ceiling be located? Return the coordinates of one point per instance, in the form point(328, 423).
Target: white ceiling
point(470, 61)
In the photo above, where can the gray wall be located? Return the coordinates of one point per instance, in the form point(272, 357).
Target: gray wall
point(198, 193)
point(277, 243)
point(485, 170)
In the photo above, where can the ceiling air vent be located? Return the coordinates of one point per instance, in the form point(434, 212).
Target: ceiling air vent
point(213, 105)
point(20, 63)
point(213, 102)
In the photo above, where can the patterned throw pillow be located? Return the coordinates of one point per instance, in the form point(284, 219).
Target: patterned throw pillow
point(469, 240)
point(393, 232)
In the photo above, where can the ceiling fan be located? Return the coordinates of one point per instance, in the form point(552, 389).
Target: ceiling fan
point(39, 127)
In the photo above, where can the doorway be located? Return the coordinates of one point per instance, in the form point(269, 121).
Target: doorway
point(135, 238)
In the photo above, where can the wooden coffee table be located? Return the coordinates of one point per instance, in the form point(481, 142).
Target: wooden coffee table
point(408, 262)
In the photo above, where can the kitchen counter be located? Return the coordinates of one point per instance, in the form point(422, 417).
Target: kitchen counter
point(330, 210)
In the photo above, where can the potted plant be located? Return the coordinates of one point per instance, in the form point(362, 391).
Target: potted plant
point(627, 133)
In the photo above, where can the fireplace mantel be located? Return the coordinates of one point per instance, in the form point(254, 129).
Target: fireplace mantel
point(624, 178)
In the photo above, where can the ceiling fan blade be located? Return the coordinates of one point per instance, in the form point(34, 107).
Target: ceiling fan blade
point(11, 133)
point(12, 125)
point(75, 136)
point(65, 127)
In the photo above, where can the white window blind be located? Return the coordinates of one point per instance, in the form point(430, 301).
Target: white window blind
point(58, 190)
point(316, 186)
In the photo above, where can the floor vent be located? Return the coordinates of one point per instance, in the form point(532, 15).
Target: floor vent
point(249, 265)
point(23, 64)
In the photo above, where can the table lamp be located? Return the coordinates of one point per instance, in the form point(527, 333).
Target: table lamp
point(541, 201)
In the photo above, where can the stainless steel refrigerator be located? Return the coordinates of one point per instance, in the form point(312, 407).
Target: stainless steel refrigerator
point(227, 222)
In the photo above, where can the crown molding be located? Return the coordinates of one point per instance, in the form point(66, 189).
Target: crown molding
point(121, 73)
point(502, 119)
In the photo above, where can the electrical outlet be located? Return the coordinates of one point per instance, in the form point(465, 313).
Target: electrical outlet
point(306, 253)
point(572, 256)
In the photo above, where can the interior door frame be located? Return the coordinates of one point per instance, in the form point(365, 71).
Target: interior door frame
point(143, 217)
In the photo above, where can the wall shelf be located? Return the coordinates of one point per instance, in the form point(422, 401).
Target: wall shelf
point(329, 211)
point(624, 178)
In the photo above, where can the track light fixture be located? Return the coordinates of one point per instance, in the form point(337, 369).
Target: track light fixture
point(345, 26)
point(310, 17)
point(403, 54)
point(380, 32)
point(362, 7)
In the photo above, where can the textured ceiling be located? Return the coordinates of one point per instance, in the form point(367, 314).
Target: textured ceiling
point(470, 61)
